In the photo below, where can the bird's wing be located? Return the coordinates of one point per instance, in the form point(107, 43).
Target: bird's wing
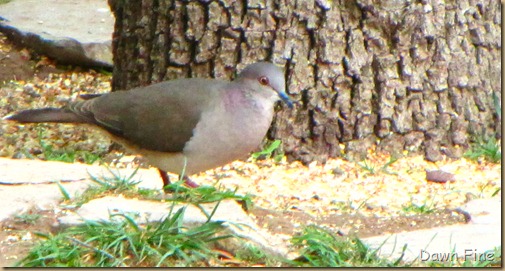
point(158, 117)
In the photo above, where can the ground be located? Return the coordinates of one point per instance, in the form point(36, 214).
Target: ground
point(373, 197)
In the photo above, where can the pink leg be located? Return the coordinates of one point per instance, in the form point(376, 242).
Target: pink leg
point(189, 182)
point(166, 180)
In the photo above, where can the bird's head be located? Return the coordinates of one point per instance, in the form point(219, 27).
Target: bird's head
point(266, 77)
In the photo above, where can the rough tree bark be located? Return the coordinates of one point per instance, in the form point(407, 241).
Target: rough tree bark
point(422, 76)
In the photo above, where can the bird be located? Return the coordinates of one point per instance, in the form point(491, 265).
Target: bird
point(183, 126)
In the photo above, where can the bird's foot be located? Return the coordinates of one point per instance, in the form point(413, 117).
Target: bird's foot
point(166, 181)
point(188, 182)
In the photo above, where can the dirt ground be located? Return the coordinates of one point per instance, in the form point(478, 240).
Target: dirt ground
point(286, 217)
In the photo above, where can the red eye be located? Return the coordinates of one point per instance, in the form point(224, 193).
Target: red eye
point(264, 80)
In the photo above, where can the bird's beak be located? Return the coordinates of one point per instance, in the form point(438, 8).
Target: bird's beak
point(285, 98)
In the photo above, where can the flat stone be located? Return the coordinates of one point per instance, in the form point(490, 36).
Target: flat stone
point(465, 241)
point(26, 171)
point(483, 211)
point(25, 184)
point(71, 31)
point(237, 222)
point(18, 199)
point(458, 239)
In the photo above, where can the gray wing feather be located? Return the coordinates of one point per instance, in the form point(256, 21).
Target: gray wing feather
point(159, 117)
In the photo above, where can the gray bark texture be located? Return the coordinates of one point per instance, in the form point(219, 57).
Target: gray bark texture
point(422, 76)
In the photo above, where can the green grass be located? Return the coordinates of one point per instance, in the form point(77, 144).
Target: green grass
point(116, 184)
point(252, 255)
point(268, 151)
point(205, 194)
point(349, 206)
point(425, 208)
point(488, 149)
point(65, 155)
point(374, 169)
point(127, 243)
point(68, 155)
point(320, 248)
point(28, 218)
point(127, 186)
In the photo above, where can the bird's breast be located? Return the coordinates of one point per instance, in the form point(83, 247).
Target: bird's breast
point(225, 134)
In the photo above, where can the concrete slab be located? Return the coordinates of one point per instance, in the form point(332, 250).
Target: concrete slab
point(26, 171)
point(76, 32)
point(18, 199)
point(467, 241)
point(25, 184)
point(462, 241)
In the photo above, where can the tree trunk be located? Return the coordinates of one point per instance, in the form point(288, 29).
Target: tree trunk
point(422, 76)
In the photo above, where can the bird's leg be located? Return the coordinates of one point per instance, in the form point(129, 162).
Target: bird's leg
point(189, 182)
point(166, 180)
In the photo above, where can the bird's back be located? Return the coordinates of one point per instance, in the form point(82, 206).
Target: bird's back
point(159, 117)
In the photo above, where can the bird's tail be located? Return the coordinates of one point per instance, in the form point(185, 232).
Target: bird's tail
point(61, 115)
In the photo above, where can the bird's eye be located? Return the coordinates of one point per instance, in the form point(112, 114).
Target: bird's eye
point(264, 80)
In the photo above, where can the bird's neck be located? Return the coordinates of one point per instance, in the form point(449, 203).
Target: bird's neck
point(244, 92)
point(238, 96)
point(248, 113)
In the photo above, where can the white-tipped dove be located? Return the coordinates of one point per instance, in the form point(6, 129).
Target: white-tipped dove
point(205, 122)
